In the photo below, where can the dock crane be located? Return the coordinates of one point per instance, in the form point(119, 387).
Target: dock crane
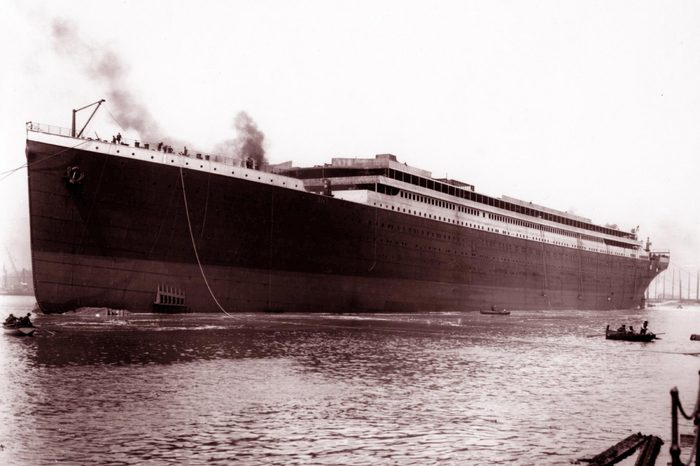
point(18, 277)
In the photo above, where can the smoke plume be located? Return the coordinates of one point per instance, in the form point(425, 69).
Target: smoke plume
point(104, 65)
point(248, 146)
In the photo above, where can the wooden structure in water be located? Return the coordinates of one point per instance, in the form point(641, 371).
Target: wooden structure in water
point(650, 446)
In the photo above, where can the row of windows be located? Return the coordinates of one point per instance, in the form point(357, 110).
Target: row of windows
point(510, 220)
point(441, 203)
point(466, 192)
point(468, 247)
point(559, 231)
point(498, 203)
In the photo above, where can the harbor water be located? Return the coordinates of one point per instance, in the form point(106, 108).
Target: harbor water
point(533, 387)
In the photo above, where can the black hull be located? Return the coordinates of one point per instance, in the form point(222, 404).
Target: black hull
point(113, 238)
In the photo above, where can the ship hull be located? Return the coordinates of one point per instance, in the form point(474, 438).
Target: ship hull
point(121, 232)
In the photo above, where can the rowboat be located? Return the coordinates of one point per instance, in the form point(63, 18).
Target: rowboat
point(19, 330)
point(628, 336)
point(496, 312)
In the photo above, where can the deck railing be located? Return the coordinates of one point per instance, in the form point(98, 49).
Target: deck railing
point(50, 129)
point(165, 148)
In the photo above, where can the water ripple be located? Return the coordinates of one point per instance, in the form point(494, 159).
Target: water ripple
point(326, 389)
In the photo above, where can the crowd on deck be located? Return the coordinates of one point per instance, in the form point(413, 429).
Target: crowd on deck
point(168, 149)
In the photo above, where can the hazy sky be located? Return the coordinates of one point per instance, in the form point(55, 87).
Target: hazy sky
point(586, 106)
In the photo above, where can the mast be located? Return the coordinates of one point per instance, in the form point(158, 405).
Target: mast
point(673, 285)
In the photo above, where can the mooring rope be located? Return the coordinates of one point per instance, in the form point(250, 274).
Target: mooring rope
point(691, 417)
point(7, 173)
point(692, 452)
point(680, 408)
point(206, 208)
point(115, 120)
point(194, 246)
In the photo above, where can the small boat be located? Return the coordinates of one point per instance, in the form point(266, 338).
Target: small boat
point(19, 330)
point(496, 312)
point(628, 336)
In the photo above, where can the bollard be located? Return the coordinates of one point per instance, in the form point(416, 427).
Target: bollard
point(696, 421)
point(675, 449)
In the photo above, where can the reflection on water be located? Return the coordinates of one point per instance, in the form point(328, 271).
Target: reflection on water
point(530, 388)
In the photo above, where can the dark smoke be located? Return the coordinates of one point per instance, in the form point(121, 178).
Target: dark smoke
point(105, 66)
point(247, 147)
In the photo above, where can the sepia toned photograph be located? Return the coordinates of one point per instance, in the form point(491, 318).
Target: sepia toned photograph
point(350, 233)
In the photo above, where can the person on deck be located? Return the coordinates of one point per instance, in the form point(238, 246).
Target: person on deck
point(631, 330)
point(622, 329)
point(11, 319)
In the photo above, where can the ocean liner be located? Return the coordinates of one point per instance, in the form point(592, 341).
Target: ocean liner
point(128, 225)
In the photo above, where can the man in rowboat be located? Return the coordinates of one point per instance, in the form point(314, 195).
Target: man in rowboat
point(25, 322)
point(643, 330)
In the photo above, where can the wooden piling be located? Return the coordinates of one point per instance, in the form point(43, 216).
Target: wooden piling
point(650, 450)
point(619, 451)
